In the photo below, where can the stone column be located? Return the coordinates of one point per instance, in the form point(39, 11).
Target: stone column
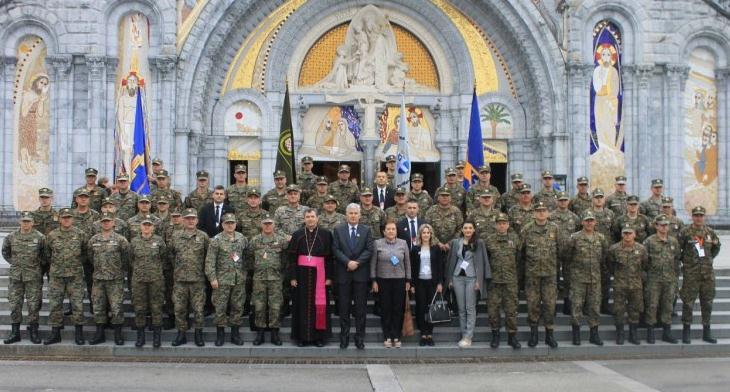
point(674, 162)
point(100, 145)
point(180, 167)
point(165, 66)
point(109, 123)
point(722, 79)
point(370, 166)
point(578, 127)
point(62, 180)
point(643, 74)
point(628, 122)
point(7, 111)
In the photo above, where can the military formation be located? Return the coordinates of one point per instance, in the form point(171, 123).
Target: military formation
point(599, 253)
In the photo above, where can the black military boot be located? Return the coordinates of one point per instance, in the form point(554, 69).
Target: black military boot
point(495, 339)
point(620, 334)
point(707, 335)
point(550, 339)
point(118, 337)
point(99, 336)
point(220, 336)
point(236, 336)
point(594, 337)
point(156, 337)
point(667, 334)
point(512, 340)
point(686, 334)
point(576, 335)
point(199, 341)
point(79, 335)
point(633, 334)
point(140, 338)
point(259, 337)
point(34, 338)
point(275, 340)
point(650, 335)
point(55, 336)
point(14, 336)
point(566, 306)
point(533, 337)
point(180, 339)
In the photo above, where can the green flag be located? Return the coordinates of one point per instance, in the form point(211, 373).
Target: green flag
point(285, 152)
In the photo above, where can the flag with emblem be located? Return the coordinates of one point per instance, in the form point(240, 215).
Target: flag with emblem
point(474, 146)
point(139, 182)
point(285, 152)
point(403, 161)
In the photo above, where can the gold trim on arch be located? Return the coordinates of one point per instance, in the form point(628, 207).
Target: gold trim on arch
point(187, 25)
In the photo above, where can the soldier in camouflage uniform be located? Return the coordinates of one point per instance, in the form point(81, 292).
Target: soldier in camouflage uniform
point(268, 274)
point(641, 224)
point(317, 197)
point(120, 227)
point(174, 197)
point(568, 223)
point(162, 211)
point(148, 255)
point(627, 260)
point(224, 269)
point(45, 219)
point(503, 250)
point(675, 224)
point(95, 192)
point(445, 219)
point(604, 225)
point(276, 197)
point(249, 224)
point(661, 280)
point(547, 194)
point(390, 162)
point(587, 250)
point(474, 192)
point(460, 165)
point(582, 200)
point(652, 206)
point(343, 189)
point(329, 217)
point(84, 218)
point(66, 251)
point(24, 250)
point(458, 194)
point(144, 208)
point(371, 215)
point(511, 197)
point(125, 199)
point(290, 217)
point(616, 201)
point(306, 179)
point(188, 248)
point(700, 245)
point(202, 194)
point(176, 224)
point(521, 213)
point(397, 211)
point(237, 192)
point(418, 194)
point(539, 248)
point(109, 252)
point(484, 214)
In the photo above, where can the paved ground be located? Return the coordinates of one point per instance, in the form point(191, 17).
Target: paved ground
point(697, 375)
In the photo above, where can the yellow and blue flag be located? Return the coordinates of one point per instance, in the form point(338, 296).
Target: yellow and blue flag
point(474, 148)
point(403, 161)
point(140, 153)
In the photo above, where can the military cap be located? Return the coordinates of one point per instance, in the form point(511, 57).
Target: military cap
point(175, 212)
point(444, 191)
point(598, 192)
point(229, 217)
point(547, 174)
point(163, 199)
point(157, 161)
point(343, 168)
point(162, 174)
point(583, 180)
point(667, 201)
point(657, 182)
point(293, 188)
point(253, 192)
point(147, 219)
point(450, 171)
point(26, 216)
point(502, 217)
point(699, 210)
point(633, 199)
point(524, 188)
point(279, 174)
point(190, 212)
point(202, 174)
point(123, 177)
point(486, 193)
point(661, 219)
point(267, 218)
point(65, 212)
point(45, 192)
point(563, 196)
point(540, 206)
point(621, 180)
point(460, 164)
point(485, 169)
point(400, 191)
point(91, 172)
point(144, 199)
point(417, 177)
point(322, 180)
point(81, 192)
point(329, 198)
point(366, 191)
point(307, 159)
point(517, 177)
point(390, 158)
point(588, 215)
point(240, 168)
point(106, 216)
point(627, 228)
point(107, 201)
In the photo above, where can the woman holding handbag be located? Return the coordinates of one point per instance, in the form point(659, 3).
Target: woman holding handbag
point(390, 270)
point(467, 269)
point(427, 272)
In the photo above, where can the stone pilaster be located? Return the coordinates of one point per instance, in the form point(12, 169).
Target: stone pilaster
point(62, 180)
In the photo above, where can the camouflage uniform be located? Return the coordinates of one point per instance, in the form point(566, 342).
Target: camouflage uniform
point(539, 253)
point(568, 223)
point(423, 198)
point(393, 213)
point(627, 266)
point(519, 217)
point(345, 193)
point(126, 204)
point(375, 219)
point(66, 250)
point(306, 182)
point(651, 207)
point(472, 195)
point(446, 222)
point(96, 195)
point(484, 221)
point(272, 200)
point(616, 202)
point(25, 253)
point(168, 269)
point(604, 225)
point(329, 221)
point(289, 219)
point(502, 293)
point(547, 196)
point(174, 198)
point(110, 256)
point(458, 195)
point(249, 224)
point(45, 221)
point(316, 201)
point(587, 259)
point(188, 251)
point(267, 277)
point(580, 203)
point(662, 276)
point(508, 200)
point(120, 227)
point(148, 256)
point(238, 196)
point(196, 199)
point(675, 226)
point(698, 274)
point(135, 221)
point(85, 222)
point(640, 223)
point(224, 262)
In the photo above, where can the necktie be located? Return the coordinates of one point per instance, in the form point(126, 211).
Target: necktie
point(413, 231)
point(353, 234)
point(217, 215)
point(382, 198)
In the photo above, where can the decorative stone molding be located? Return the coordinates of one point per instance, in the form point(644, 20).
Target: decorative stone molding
point(95, 65)
point(61, 64)
point(165, 65)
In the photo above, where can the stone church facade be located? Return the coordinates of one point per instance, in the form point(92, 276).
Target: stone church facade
point(579, 87)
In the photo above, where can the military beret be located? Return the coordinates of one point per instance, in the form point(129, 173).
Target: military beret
point(81, 192)
point(201, 174)
point(106, 216)
point(45, 192)
point(621, 180)
point(627, 228)
point(322, 180)
point(485, 169)
point(330, 198)
point(633, 199)
point(390, 158)
point(293, 188)
point(307, 159)
point(91, 172)
point(65, 212)
point(661, 219)
point(699, 210)
point(229, 217)
point(502, 217)
point(450, 171)
point(279, 174)
point(417, 177)
point(540, 206)
point(524, 188)
point(157, 161)
point(144, 199)
point(253, 192)
point(26, 216)
point(598, 192)
point(365, 191)
point(107, 201)
point(343, 168)
point(444, 191)
point(547, 174)
point(583, 180)
point(267, 218)
point(517, 177)
point(123, 177)
point(667, 201)
point(657, 182)
point(190, 212)
point(563, 196)
point(400, 191)
point(460, 164)
point(162, 174)
point(240, 168)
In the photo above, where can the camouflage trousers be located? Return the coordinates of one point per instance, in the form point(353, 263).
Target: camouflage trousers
point(694, 285)
point(147, 297)
point(502, 297)
point(32, 292)
point(589, 294)
point(188, 294)
point(167, 275)
point(627, 301)
point(108, 296)
point(660, 296)
point(231, 298)
point(267, 295)
point(541, 291)
point(58, 288)
point(564, 285)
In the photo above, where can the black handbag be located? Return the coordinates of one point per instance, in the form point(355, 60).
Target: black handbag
point(438, 310)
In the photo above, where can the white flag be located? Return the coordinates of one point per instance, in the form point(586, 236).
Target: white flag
point(403, 162)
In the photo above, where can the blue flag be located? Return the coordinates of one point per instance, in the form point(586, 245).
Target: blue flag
point(403, 161)
point(140, 155)
point(474, 148)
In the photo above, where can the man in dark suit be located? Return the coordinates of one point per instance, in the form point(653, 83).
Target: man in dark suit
point(352, 248)
point(383, 193)
point(408, 226)
point(210, 215)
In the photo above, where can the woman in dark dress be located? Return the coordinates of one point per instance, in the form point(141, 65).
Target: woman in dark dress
point(427, 274)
